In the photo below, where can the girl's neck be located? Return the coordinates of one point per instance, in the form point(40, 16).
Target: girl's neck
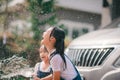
point(51, 50)
point(46, 62)
point(45, 65)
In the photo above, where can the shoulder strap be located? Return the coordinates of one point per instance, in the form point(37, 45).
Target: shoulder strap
point(78, 75)
point(72, 64)
point(53, 54)
point(39, 66)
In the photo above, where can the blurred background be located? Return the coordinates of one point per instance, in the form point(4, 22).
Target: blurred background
point(22, 23)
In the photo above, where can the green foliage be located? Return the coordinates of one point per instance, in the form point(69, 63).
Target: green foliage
point(35, 27)
point(41, 8)
point(42, 13)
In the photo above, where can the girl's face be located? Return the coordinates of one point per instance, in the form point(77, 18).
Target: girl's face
point(43, 54)
point(46, 37)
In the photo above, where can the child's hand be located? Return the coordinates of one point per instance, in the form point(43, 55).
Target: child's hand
point(36, 78)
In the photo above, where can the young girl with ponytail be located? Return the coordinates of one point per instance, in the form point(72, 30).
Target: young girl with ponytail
point(63, 69)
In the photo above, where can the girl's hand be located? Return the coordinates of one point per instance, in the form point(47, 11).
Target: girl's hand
point(36, 78)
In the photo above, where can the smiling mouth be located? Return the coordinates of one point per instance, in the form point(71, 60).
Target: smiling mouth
point(42, 57)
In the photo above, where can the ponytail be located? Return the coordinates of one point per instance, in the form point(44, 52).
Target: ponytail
point(59, 45)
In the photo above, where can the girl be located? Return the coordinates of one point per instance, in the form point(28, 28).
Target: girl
point(43, 69)
point(62, 67)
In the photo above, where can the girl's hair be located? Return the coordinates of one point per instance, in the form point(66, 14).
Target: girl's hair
point(45, 49)
point(59, 35)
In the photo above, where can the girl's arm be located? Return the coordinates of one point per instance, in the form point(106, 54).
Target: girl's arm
point(49, 77)
point(56, 63)
point(35, 69)
point(56, 75)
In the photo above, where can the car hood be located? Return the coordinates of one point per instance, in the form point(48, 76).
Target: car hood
point(99, 37)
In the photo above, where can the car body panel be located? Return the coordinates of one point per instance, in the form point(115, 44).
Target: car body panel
point(106, 36)
point(100, 40)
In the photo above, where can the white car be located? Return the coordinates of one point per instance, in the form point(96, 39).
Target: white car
point(97, 54)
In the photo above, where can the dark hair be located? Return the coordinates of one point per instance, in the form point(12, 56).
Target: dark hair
point(59, 35)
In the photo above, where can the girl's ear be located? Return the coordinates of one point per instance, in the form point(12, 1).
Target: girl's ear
point(52, 38)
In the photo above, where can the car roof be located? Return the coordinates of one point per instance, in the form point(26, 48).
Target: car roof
point(99, 37)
